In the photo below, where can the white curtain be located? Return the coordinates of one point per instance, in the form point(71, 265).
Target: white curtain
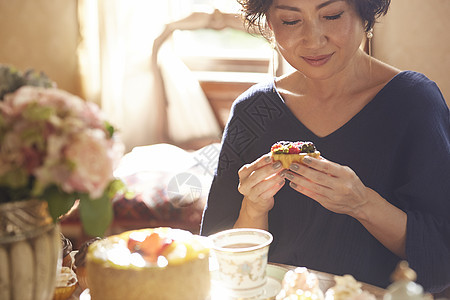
point(189, 113)
point(114, 54)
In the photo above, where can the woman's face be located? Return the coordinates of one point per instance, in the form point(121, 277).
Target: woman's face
point(317, 37)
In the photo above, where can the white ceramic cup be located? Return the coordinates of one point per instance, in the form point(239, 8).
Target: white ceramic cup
point(241, 255)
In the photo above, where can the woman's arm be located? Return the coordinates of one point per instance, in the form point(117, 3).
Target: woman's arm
point(384, 221)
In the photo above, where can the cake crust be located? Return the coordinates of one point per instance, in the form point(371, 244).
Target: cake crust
point(190, 280)
point(287, 159)
point(185, 275)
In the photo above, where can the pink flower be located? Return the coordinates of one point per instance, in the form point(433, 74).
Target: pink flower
point(56, 147)
point(57, 138)
point(89, 153)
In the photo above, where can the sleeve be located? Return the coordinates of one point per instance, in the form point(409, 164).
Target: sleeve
point(224, 200)
point(425, 191)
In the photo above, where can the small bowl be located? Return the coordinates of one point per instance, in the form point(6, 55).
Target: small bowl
point(63, 293)
point(66, 284)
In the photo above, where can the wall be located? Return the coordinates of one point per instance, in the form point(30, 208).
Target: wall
point(414, 35)
point(41, 35)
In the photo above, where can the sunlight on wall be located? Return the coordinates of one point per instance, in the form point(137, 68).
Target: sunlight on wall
point(414, 36)
point(41, 35)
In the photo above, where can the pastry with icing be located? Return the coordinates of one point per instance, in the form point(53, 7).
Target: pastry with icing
point(300, 284)
point(289, 152)
point(347, 288)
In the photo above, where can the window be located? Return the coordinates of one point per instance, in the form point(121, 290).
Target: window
point(226, 55)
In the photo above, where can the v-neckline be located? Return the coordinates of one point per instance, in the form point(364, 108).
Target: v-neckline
point(346, 124)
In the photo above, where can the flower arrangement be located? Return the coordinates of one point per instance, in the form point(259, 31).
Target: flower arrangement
point(56, 147)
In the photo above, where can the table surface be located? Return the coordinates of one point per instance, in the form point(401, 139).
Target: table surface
point(326, 281)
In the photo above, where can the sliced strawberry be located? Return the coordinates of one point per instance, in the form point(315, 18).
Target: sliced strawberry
point(151, 247)
point(293, 150)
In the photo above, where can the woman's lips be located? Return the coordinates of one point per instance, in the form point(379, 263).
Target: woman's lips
point(318, 60)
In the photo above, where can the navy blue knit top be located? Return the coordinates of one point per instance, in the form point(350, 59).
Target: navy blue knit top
point(398, 144)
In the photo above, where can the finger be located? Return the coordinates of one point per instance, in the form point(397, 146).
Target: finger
point(246, 184)
point(321, 164)
point(273, 190)
point(247, 169)
point(321, 199)
point(307, 186)
point(315, 176)
point(269, 186)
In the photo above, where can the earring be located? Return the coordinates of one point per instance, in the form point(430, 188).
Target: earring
point(274, 66)
point(274, 73)
point(369, 35)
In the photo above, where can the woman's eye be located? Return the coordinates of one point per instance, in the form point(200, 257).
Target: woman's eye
point(334, 17)
point(290, 22)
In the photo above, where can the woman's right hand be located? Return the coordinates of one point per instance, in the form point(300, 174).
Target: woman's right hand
point(259, 181)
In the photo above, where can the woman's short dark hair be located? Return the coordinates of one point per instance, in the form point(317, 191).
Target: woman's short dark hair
point(254, 11)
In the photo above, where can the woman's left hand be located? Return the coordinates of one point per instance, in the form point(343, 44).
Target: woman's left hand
point(339, 189)
point(335, 187)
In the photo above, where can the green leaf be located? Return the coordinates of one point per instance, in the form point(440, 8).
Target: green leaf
point(96, 215)
point(59, 203)
point(109, 128)
point(117, 186)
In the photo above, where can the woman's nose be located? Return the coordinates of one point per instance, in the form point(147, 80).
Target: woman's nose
point(313, 36)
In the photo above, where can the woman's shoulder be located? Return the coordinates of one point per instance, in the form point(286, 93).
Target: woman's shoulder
point(412, 85)
point(415, 91)
point(263, 89)
point(396, 79)
point(413, 79)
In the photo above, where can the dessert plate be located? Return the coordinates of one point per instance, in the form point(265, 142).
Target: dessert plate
point(272, 287)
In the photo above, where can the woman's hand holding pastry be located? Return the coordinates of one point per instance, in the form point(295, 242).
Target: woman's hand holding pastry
point(335, 187)
point(340, 190)
point(259, 181)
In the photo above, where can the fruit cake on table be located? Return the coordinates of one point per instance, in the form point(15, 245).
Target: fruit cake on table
point(155, 263)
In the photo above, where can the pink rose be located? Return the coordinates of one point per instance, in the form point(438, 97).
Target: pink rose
point(90, 155)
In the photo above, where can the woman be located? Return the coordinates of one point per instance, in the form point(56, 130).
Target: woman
point(380, 193)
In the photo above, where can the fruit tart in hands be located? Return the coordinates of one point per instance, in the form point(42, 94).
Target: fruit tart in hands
point(289, 152)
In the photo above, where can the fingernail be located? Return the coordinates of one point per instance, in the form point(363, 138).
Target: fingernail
point(283, 173)
point(289, 176)
point(292, 184)
point(268, 159)
point(276, 165)
point(295, 167)
point(307, 160)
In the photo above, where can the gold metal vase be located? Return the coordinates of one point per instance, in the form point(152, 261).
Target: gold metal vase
point(30, 251)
